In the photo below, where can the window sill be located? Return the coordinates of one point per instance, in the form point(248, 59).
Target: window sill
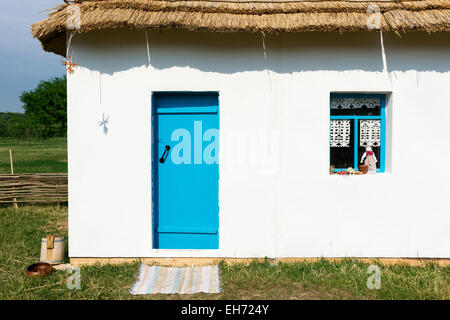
point(361, 175)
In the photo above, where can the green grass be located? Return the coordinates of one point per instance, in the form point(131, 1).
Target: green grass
point(22, 229)
point(35, 156)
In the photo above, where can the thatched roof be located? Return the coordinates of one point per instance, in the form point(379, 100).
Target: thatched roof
point(243, 15)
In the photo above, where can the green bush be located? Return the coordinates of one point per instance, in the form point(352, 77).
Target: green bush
point(45, 112)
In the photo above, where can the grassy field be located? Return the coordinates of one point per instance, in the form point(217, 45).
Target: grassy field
point(22, 229)
point(35, 156)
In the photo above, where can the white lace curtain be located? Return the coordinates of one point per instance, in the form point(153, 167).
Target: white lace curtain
point(369, 133)
point(339, 133)
point(354, 103)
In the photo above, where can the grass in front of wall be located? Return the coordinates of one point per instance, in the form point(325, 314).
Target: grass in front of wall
point(34, 156)
point(22, 229)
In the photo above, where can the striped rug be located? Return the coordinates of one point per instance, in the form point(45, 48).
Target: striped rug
point(186, 280)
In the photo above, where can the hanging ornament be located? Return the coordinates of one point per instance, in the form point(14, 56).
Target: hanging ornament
point(69, 65)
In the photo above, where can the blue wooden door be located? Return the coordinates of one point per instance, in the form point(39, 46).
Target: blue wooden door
point(186, 142)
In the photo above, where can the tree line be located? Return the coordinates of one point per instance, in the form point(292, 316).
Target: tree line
point(45, 113)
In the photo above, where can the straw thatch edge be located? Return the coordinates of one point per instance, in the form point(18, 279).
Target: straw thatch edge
point(237, 16)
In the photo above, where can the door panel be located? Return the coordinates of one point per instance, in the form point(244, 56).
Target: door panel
point(186, 146)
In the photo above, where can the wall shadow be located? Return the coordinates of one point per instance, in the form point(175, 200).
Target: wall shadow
point(120, 50)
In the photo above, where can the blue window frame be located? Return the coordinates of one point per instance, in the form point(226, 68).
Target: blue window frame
point(348, 113)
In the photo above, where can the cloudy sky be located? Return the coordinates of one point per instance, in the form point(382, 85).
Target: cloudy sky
point(22, 61)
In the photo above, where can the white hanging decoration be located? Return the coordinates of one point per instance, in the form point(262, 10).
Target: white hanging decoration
point(369, 133)
point(354, 103)
point(339, 133)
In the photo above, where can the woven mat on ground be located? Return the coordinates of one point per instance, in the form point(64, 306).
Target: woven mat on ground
point(186, 280)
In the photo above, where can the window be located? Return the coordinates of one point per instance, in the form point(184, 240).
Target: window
point(357, 121)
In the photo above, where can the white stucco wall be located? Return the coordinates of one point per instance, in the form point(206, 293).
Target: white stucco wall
point(282, 203)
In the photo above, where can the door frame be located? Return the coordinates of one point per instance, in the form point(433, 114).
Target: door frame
point(154, 164)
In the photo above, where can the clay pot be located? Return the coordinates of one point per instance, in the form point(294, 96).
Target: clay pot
point(38, 270)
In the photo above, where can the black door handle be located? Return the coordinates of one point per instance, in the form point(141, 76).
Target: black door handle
point(165, 154)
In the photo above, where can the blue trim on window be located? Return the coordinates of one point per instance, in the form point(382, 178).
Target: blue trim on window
point(381, 117)
point(383, 135)
point(357, 95)
point(356, 147)
point(187, 110)
point(355, 117)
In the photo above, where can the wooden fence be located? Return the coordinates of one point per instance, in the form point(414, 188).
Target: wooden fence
point(33, 188)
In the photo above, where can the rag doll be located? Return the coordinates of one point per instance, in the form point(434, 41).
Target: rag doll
point(370, 160)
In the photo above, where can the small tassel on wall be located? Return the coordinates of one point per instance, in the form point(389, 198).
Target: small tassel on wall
point(69, 64)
